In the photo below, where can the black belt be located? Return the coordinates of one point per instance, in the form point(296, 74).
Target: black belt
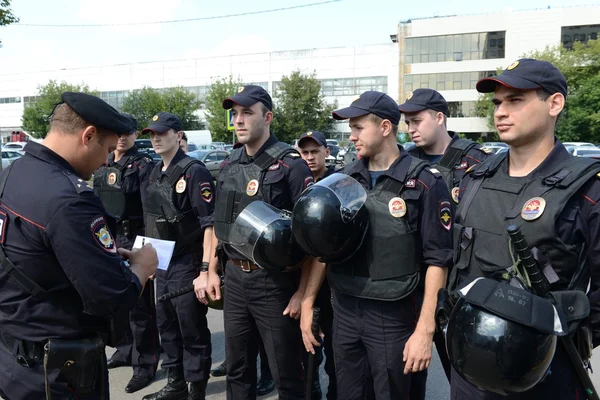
point(28, 353)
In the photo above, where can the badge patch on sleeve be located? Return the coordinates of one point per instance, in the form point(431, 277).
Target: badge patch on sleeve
point(308, 181)
point(206, 192)
point(446, 215)
point(102, 235)
point(3, 222)
point(411, 183)
point(462, 165)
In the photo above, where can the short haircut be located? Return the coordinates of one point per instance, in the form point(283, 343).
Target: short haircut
point(378, 120)
point(65, 120)
point(184, 136)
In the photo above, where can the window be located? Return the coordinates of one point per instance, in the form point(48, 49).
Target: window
point(221, 156)
point(211, 157)
point(461, 109)
point(9, 100)
point(582, 33)
point(467, 46)
point(447, 81)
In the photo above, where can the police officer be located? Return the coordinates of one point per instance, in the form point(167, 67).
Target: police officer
point(385, 293)
point(258, 299)
point(179, 209)
point(314, 150)
point(122, 186)
point(61, 277)
point(551, 195)
point(426, 114)
point(183, 143)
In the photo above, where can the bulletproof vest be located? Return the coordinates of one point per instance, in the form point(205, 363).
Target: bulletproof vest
point(164, 220)
point(387, 265)
point(447, 164)
point(108, 184)
point(494, 200)
point(241, 184)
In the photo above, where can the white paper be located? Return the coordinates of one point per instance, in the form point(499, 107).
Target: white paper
point(164, 249)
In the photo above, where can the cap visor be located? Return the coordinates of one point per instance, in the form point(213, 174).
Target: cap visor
point(488, 85)
point(411, 108)
point(157, 128)
point(244, 101)
point(305, 138)
point(349, 112)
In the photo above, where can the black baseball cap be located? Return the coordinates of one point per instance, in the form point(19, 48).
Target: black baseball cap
point(527, 74)
point(425, 99)
point(133, 121)
point(249, 95)
point(97, 112)
point(162, 122)
point(371, 102)
point(314, 135)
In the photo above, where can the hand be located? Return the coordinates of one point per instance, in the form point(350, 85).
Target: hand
point(293, 307)
point(145, 257)
point(213, 286)
point(417, 352)
point(306, 320)
point(200, 284)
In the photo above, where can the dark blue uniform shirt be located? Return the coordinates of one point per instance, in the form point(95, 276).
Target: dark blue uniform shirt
point(55, 231)
point(425, 197)
point(579, 222)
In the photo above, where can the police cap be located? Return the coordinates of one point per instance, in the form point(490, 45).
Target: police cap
point(97, 112)
point(162, 122)
point(425, 99)
point(249, 95)
point(371, 102)
point(527, 74)
point(133, 120)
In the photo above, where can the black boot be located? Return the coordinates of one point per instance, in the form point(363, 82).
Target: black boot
point(197, 391)
point(176, 388)
point(221, 370)
point(265, 386)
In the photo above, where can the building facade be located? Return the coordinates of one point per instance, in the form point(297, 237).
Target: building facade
point(450, 54)
point(345, 72)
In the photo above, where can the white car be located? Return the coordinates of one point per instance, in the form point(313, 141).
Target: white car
point(585, 144)
point(8, 157)
point(14, 146)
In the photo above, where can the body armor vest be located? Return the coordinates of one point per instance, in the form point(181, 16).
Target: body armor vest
point(108, 184)
point(494, 200)
point(387, 265)
point(164, 220)
point(451, 158)
point(241, 184)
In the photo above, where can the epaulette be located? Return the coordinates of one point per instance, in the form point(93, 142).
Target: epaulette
point(79, 184)
point(433, 171)
point(293, 155)
point(470, 168)
point(485, 150)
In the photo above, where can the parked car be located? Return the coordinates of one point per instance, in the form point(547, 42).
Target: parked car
point(14, 146)
point(212, 159)
point(585, 144)
point(334, 150)
point(143, 145)
point(8, 157)
point(583, 151)
point(192, 147)
point(494, 144)
point(350, 155)
point(218, 145)
point(332, 142)
point(408, 145)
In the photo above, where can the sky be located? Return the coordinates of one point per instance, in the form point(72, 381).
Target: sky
point(337, 23)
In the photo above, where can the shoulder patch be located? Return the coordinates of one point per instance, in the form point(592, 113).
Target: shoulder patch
point(434, 171)
point(206, 192)
point(102, 235)
point(79, 184)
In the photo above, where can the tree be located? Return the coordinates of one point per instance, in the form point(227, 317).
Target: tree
point(6, 15)
point(301, 107)
point(215, 114)
point(35, 119)
point(144, 103)
point(581, 68)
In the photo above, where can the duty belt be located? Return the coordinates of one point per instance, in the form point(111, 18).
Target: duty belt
point(245, 265)
point(28, 353)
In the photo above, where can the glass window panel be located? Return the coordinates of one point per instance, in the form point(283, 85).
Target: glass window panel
point(440, 44)
point(424, 85)
point(440, 86)
point(408, 59)
point(409, 48)
point(466, 81)
point(424, 45)
point(424, 58)
point(417, 58)
point(431, 81)
point(449, 85)
point(408, 87)
point(466, 43)
point(408, 78)
point(449, 45)
point(433, 45)
point(457, 42)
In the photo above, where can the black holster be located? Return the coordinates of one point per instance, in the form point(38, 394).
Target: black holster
point(82, 362)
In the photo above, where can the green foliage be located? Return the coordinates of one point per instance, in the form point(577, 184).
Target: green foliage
point(144, 103)
point(300, 107)
point(216, 116)
point(581, 68)
point(35, 119)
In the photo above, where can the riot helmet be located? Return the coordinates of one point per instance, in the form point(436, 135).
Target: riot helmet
point(330, 220)
point(501, 338)
point(263, 234)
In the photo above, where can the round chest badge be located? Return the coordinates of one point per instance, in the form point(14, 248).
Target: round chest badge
point(252, 187)
point(180, 187)
point(397, 207)
point(112, 178)
point(455, 192)
point(533, 209)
